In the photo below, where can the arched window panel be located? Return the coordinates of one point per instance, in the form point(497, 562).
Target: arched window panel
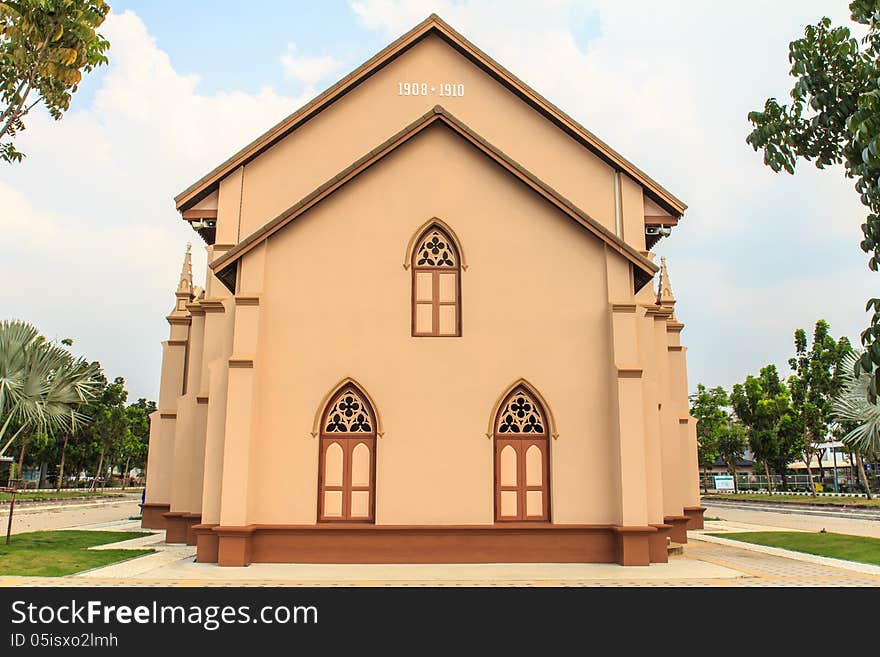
point(522, 491)
point(436, 294)
point(347, 464)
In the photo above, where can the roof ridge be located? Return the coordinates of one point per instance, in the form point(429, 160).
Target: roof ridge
point(202, 187)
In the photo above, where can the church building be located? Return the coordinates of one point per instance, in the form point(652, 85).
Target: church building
point(432, 330)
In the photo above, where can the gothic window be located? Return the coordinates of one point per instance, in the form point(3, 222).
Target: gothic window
point(436, 285)
point(521, 459)
point(347, 466)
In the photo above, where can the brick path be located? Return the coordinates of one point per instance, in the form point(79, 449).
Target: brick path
point(769, 570)
point(758, 569)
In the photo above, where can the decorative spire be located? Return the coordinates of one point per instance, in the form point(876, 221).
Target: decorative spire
point(666, 295)
point(184, 294)
point(186, 274)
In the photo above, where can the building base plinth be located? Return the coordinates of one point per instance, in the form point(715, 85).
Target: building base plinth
point(501, 543)
point(153, 515)
point(179, 527)
point(192, 519)
point(695, 516)
point(678, 533)
point(634, 545)
point(234, 545)
point(207, 542)
point(659, 543)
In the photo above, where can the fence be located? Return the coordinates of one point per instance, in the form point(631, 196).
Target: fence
point(748, 482)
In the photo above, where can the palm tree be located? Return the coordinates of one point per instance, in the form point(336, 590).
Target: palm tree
point(851, 408)
point(42, 384)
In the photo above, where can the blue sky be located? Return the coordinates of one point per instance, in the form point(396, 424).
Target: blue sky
point(93, 243)
point(235, 45)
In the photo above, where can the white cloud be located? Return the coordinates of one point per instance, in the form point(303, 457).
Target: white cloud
point(309, 70)
point(92, 244)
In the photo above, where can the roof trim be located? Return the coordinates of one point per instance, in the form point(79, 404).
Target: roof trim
point(433, 24)
point(643, 268)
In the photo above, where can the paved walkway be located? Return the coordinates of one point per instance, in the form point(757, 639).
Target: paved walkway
point(702, 564)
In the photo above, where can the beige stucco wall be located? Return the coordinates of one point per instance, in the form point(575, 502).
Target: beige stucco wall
point(373, 112)
point(160, 457)
point(327, 298)
point(335, 302)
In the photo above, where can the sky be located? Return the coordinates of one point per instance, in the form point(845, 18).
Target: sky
point(92, 244)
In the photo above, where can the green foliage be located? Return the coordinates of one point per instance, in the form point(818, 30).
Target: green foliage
point(42, 385)
point(45, 47)
point(59, 408)
point(708, 406)
point(857, 418)
point(732, 444)
point(833, 119)
point(718, 434)
point(817, 379)
point(763, 405)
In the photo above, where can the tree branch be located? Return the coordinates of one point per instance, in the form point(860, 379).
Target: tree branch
point(15, 115)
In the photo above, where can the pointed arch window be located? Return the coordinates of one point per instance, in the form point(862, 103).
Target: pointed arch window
point(436, 285)
point(347, 464)
point(522, 491)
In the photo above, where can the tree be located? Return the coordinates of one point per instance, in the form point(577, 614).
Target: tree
point(832, 119)
point(109, 428)
point(45, 47)
point(708, 406)
point(816, 380)
point(135, 451)
point(762, 404)
point(42, 385)
point(732, 443)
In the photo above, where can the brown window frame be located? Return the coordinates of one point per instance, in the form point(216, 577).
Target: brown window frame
point(348, 442)
point(521, 442)
point(435, 302)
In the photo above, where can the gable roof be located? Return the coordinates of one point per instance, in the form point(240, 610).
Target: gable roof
point(432, 25)
point(225, 266)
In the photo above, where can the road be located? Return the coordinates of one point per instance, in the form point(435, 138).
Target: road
point(53, 515)
point(796, 519)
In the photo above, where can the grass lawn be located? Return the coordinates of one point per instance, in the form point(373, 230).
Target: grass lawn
point(52, 554)
point(839, 546)
point(65, 494)
point(796, 499)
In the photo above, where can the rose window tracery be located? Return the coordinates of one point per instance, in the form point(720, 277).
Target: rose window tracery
point(435, 250)
point(350, 414)
point(521, 415)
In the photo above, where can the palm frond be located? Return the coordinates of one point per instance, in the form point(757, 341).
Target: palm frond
point(851, 406)
point(42, 385)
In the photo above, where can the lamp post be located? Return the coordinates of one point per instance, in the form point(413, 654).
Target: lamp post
point(833, 445)
point(834, 454)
